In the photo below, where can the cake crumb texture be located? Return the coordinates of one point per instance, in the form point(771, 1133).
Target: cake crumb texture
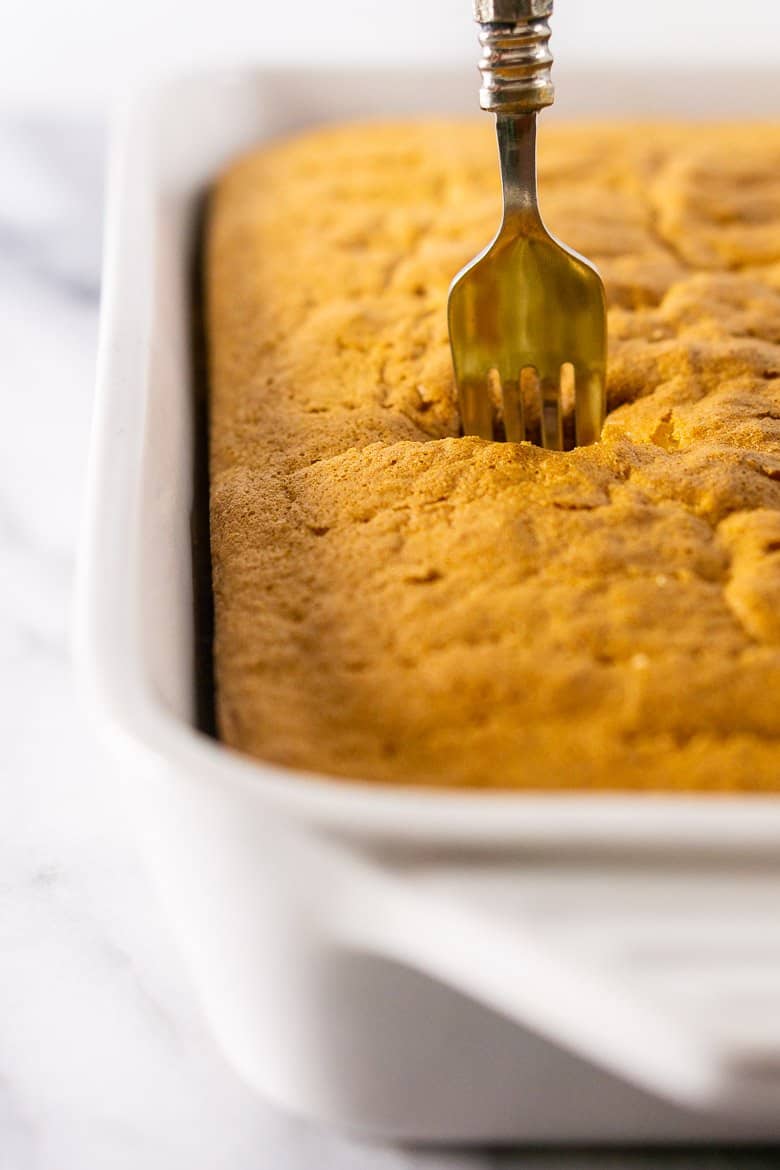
point(397, 603)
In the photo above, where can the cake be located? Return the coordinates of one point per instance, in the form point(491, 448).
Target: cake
point(397, 603)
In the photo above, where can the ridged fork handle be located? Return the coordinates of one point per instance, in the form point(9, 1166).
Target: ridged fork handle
point(516, 59)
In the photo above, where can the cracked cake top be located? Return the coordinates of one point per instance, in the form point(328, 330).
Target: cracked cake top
point(397, 603)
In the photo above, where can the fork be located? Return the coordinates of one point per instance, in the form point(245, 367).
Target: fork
point(527, 316)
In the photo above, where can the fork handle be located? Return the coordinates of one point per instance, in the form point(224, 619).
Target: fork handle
point(516, 60)
point(517, 158)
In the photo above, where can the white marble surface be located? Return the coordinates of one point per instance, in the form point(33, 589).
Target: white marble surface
point(105, 1061)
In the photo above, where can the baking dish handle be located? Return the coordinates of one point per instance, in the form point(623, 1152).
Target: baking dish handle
point(483, 932)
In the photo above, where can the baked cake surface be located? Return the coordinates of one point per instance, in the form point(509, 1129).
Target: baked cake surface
point(396, 603)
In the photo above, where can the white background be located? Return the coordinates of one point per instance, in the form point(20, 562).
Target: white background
point(79, 52)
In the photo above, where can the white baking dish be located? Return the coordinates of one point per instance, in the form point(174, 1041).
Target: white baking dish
point(411, 964)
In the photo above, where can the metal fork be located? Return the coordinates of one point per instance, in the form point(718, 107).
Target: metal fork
point(527, 316)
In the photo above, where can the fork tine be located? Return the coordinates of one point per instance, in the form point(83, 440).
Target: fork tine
point(568, 405)
point(476, 411)
point(495, 397)
point(514, 414)
point(552, 428)
point(494, 408)
point(589, 406)
point(532, 403)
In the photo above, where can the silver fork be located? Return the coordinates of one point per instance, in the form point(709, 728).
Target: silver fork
point(527, 316)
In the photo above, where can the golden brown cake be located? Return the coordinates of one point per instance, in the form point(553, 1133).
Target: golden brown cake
point(396, 603)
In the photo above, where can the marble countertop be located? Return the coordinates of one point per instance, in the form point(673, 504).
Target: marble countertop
point(105, 1060)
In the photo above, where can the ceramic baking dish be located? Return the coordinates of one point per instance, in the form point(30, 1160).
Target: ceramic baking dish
point(433, 966)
